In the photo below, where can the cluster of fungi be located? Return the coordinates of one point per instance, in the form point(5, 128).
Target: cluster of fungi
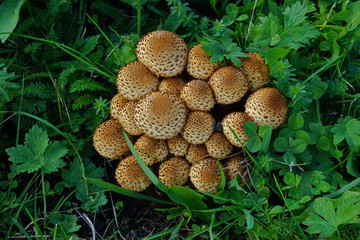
point(180, 111)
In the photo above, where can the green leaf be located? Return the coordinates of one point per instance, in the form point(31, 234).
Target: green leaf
point(297, 145)
point(94, 203)
point(68, 222)
point(281, 144)
point(301, 134)
point(296, 121)
point(250, 128)
point(9, 16)
point(254, 144)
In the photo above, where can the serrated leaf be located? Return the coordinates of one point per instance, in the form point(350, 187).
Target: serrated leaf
point(68, 222)
point(95, 203)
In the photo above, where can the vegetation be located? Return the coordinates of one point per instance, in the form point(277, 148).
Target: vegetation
point(58, 66)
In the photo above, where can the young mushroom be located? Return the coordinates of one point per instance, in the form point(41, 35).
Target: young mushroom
point(127, 118)
point(198, 96)
point(196, 153)
point(177, 146)
point(218, 146)
point(235, 121)
point(198, 127)
point(116, 104)
point(234, 166)
point(151, 150)
point(174, 172)
point(172, 85)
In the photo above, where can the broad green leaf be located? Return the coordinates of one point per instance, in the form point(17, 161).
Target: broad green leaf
point(277, 210)
point(289, 179)
point(250, 128)
point(301, 134)
point(297, 145)
point(9, 16)
point(254, 144)
point(281, 144)
point(264, 129)
point(296, 121)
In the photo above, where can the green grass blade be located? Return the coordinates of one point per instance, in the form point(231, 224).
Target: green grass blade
point(36, 225)
point(22, 229)
point(344, 188)
point(177, 230)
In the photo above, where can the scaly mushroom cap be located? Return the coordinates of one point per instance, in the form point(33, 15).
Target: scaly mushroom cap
point(127, 118)
point(116, 104)
point(206, 175)
point(151, 150)
point(256, 71)
point(160, 115)
point(235, 165)
point(163, 52)
point(236, 121)
point(229, 84)
point(130, 175)
point(172, 85)
point(198, 127)
point(196, 153)
point(174, 172)
point(199, 65)
point(109, 141)
point(267, 106)
point(177, 146)
point(198, 96)
point(134, 81)
point(218, 146)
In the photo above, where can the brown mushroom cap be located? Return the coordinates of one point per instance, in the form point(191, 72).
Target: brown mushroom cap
point(174, 172)
point(177, 145)
point(172, 85)
point(256, 71)
point(235, 166)
point(127, 118)
point(116, 104)
point(151, 150)
point(236, 121)
point(109, 140)
point(218, 146)
point(198, 96)
point(163, 52)
point(198, 127)
point(130, 175)
point(267, 106)
point(134, 81)
point(199, 65)
point(196, 153)
point(229, 84)
point(206, 175)
point(160, 115)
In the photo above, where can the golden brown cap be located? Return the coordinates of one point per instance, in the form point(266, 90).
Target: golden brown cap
point(206, 175)
point(177, 145)
point(218, 146)
point(198, 127)
point(172, 85)
point(174, 172)
point(127, 118)
point(234, 166)
point(151, 150)
point(236, 121)
point(198, 96)
point(256, 71)
point(196, 153)
point(116, 104)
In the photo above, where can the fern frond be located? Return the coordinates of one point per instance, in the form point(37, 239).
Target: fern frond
point(40, 90)
point(36, 75)
point(87, 45)
point(65, 76)
point(82, 101)
point(87, 84)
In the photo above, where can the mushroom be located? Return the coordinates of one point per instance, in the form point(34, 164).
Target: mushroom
point(151, 150)
point(130, 175)
point(198, 127)
point(174, 172)
point(234, 166)
point(163, 52)
point(127, 119)
point(236, 121)
point(177, 146)
point(109, 141)
point(218, 146)
point(267, 106)
point(198, 96)
point(116, 104)
point(196, 153)
point(134, 81)
point(160, 115)
point(199, 65)
point(229, 84)
point(206, 175)
point(172, 85)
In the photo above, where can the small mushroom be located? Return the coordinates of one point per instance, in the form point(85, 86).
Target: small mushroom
point(236, 121)
point(127, 118)
point(177, 146)
point(206, 175)
point(198, 96)
point(174, 172)
point(234, 166)
point(198, 127)
point(172, 85)
point(151, 150)
point(218, 146)
point(196, 153)
point(116, 104)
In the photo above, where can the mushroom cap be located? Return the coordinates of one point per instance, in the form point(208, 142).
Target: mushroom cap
point(151, 150)
point(236, 122)
point(198, 127)
point(196, 152)
point(109, 140)
point(116, 104)
point(267, 106)
point(218, 146)
point(134, 81)
point(198, 96)
point(174, 172)
point(199, 65)
point(177, 145)
point(163, 52)
point(206, 175)
point(127, 118)
point(130, 175)
point(229, 84)
point(172, 85)
point(160, 115)
point(256, 71)
point(235, 166)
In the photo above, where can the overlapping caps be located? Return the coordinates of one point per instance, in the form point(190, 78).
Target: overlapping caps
point(165, 103)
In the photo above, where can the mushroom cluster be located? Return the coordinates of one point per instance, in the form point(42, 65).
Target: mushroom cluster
point(181, 112)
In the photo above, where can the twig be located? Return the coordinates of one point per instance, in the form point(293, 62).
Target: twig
point(291, 165)
point(250, 23)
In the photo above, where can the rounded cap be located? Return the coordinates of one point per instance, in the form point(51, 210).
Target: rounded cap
point(116, 104)
point(151, 150)
point(127, 118)
point(130, 175)
point(160, 115)
point(198, 127)
point(172, 85)
point(134, 81)
point(199, 65)
point(267, 106)
point(198, 96)
point(234, 166)
point(109, 141)
point(236, 121)
point(163, 52)
point(229, 84)
point(177, 146)
point(218, 146)
point(174, 172)
point(206, 175)
point(196, 153)
point(256, 71)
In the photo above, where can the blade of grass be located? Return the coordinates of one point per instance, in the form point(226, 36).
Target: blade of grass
point(344, 188)
point(177, 230)
point(36, 225)
point(22, 229)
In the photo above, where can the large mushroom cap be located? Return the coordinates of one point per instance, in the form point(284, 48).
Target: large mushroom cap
point(198, 96)
point(177, 145)
point(109, 140)
point(116, 104)
point(151, 150)
point(196, 152)
point(198, 127)
point(174, 172)
point(127, 118)
point(218, 146)
point(134, 81)
point(163, 52)
point(267, 106)
point(160, 115)
point(172, 85)
point(130, 175)
point(229, 84)
point(236, 121)
point(199, 65)
point(206, 175)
